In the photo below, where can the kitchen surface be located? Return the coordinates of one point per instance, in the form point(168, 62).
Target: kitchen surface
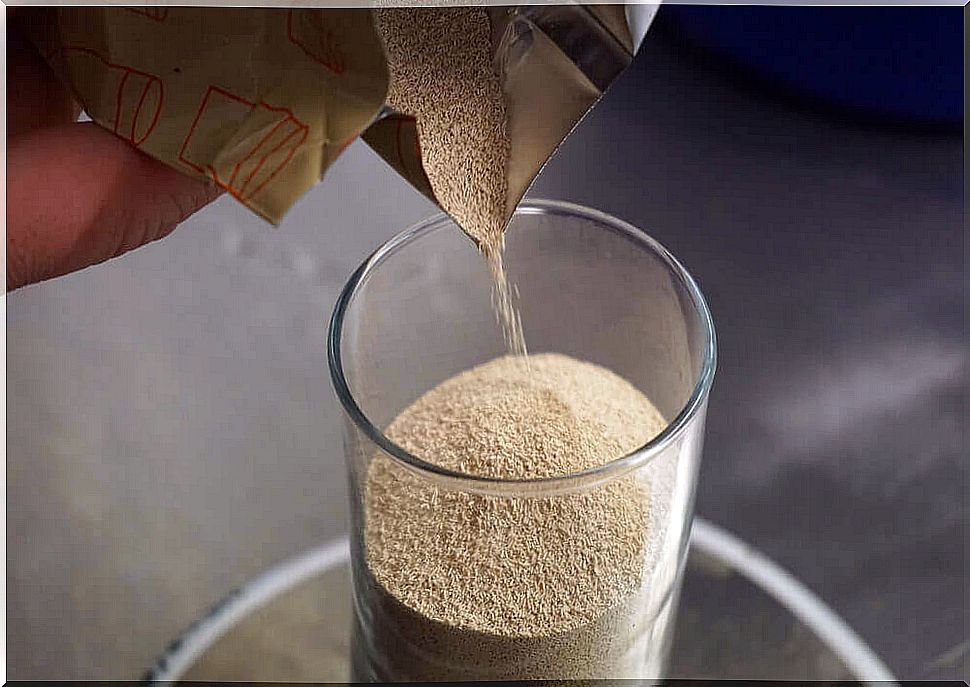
point(172, 431)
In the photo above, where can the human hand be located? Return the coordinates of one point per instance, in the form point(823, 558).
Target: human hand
point(77, 195)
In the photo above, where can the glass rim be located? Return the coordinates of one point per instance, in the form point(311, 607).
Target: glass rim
point(465, 481)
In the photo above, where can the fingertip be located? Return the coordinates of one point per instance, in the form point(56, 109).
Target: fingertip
point(78, 195)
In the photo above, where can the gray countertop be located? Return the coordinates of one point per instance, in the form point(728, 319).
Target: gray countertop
point(172, 432)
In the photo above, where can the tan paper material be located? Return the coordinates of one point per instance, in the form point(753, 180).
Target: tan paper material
point(262, 101)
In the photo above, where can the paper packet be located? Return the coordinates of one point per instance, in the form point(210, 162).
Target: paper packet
point(261, 101)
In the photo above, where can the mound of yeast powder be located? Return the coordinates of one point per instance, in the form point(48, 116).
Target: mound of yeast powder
point(472, 586)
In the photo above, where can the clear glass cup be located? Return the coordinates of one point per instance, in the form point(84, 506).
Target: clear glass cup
point(417, 312)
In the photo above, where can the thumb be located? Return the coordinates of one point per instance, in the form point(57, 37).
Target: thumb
point(77, 195)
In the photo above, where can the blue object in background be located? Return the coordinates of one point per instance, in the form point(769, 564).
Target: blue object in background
point(902, 64)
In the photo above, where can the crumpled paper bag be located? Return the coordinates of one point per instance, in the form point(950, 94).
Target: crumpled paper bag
point(261, 101)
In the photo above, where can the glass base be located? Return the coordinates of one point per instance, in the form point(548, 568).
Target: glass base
point(727, 627)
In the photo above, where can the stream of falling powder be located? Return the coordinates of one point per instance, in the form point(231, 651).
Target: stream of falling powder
point(504, 296)
point(440, 63)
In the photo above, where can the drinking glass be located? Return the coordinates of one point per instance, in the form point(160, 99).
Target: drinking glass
point(418, 311)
